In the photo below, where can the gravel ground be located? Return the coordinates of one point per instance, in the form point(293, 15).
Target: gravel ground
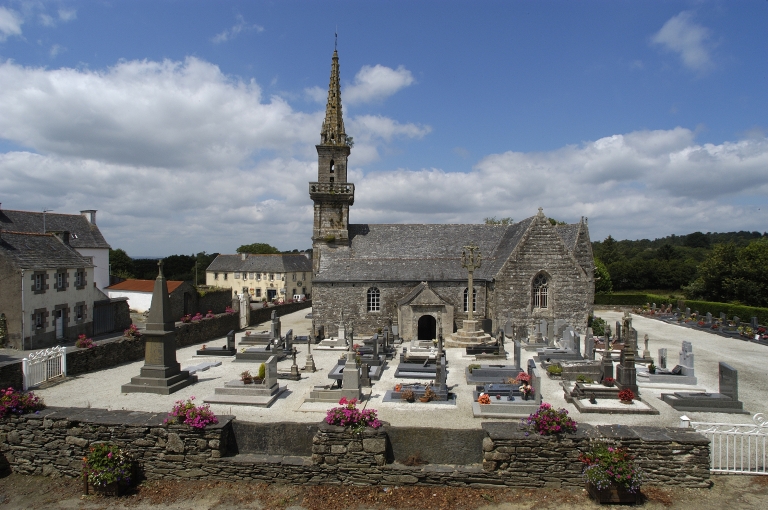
point(102, 389)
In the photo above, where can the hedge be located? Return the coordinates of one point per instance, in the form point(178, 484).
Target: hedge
point(744, 313)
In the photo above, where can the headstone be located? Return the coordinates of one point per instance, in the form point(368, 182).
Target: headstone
point(709, 319)
point(729, 381)
point(270, 375)
point(350, 382)
point(294, 367)
point(686, 358)
point(274, 331)
point(550, 333)
point(653, 307)
point(663, 358)
point(517, 353)
point(245, 310)
point(589, 347)
point(754, 323)
point(723, 318)
point(687, 312)
point(736, 321)
point(231, 340)
point(607, 364)
point(365, 376)
point(618, 332)
point(288, 342)
point(509, 329)
point(560, 325)
point(646, 352)
point(309, 365)
point(161, 373)
point(577, 343)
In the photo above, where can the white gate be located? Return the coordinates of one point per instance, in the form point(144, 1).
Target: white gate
point(735, 448)
point(43, 365)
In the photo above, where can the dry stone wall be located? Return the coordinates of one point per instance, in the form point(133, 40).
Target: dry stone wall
point(53, 442)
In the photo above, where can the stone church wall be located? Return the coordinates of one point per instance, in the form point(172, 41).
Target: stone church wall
point(329, 300)
point(570, 289)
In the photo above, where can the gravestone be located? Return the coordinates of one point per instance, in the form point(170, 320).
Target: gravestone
point(729, 381)
point(618, 332)
point(517, 348)
point(726, 401)
point(653, 307)
point(736, 321)
point(626, 373)
point(708, 320)
point(550, 334)
point(161, 373)
point(663, 358)
point(754, 323)
point(365, 376)
point(589, 347)
point(294, 367)
point(350, 382)
point(560, 326)
point(309, 364)
point(646, 352)
point(723, 318)
point(687, 312)
point(686, 358)
point(607, 364)
point(274, 330)
point(245, 310)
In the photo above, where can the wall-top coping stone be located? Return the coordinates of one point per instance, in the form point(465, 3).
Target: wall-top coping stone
point(336, 429)
point(116, 417)
point(513, 430)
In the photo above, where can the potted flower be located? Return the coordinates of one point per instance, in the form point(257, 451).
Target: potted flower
point(246, 377)
point(526, 390)
point(349, 416)
point(428, 394)
point(15, 402)
point(611, 475)
point(84, 343)
point(398, 387)
point(608, 382)
point(262, 374)
point(408, 395)
point(651, 368)
point(186, 319)
point(549, 421)
point(186, 412)
point(626, 396)
point(484, 399)
point(107, 468)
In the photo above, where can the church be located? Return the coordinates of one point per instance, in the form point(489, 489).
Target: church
point(412, 275)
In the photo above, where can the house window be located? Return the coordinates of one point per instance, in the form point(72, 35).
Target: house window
point(258, 276)
point(303, 276)
point(540, 291)
point(38, 319)
point(80, 311)
point(250, 276)
point(271, 277)
point(225, 276)
point(294, 276)
point(215, 276)
point(258, 292)
point(282, 277)
point(474, 300)
point(38, 282)
point(80, 278)
point(61, 280)
point(374, 299)
point(237, 276)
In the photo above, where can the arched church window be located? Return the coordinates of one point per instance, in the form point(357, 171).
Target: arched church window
point(540, 291)
point(374, 300)
point(332, 166)
point(474, 300)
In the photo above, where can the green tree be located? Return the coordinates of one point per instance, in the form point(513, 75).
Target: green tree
point(120, 264)
point(202, 261)
point(553, 221)
point(749, 284)
point(603, 284)
point(258, 248)
point(609, 252)
point(666, 252)
point(491, 220)
point(715, 273)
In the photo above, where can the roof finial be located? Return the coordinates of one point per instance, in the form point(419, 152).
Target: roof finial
point(336, 39)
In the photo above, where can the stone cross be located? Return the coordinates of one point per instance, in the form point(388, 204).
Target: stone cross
point(470, 263)
point(646, 352)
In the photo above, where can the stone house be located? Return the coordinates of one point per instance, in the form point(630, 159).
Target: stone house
point(264, 277)
point(84, 236)
point(183, 296)
point(46, 289)
point(412, 275)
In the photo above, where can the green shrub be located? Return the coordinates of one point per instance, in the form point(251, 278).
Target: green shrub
point(555, 370)
point(262, 371)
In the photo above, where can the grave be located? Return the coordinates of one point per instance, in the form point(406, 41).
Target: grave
point(338, 343)
point(682, 373)
point(726, 401)
point(261, 394)
point(537, 337)
point(438, 387)
point(498, 374)
point(588, 368)
point(347, 386)
point(266, 337)
point(510, 402)
point(309, 365)
point(202, 367)
point(494, 350)
point(225, 350)
point(626, 373)
point(161, 373)
point(569, 348)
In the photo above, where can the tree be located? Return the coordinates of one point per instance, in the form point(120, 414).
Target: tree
point(697, 240)
point(491, 220)
point(258, 248)
point(120, 264)
point(609, 252)
point(553, 222)
point(750, 275)
point(666, 252)
point(603, 284)
point(202, 261)
point(714, 273)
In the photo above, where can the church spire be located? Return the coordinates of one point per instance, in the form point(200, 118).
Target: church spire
point(333, 125)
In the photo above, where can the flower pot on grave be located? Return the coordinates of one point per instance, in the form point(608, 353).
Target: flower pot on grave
point(627, 402)
point(612, 494)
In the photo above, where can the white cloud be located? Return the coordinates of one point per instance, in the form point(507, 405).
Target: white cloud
point(316, 94)
point(233, 32)
point(55, 50)
point(67, 14)
point(690, 40)
point(375, 83)
point(10, 23)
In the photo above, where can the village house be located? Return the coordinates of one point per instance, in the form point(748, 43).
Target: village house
point(46, 289)
point(264, 277)
point(183, 296)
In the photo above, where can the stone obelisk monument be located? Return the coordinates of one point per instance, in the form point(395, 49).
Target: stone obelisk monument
point(469, 334)
point(161, 372)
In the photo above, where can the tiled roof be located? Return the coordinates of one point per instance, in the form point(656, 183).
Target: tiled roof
point(39, 251)
point(83, 234)
point(420, 252)
point(143, 285)
point(569, 234)
point(282, 263)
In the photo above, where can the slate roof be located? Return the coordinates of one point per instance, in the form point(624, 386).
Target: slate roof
point(83, 234)
point(143, 285)
point(282, 263)
point(569, 234)
point(39, 251)
point(420, 252)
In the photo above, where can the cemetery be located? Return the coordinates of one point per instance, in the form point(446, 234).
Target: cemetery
point(606, 385)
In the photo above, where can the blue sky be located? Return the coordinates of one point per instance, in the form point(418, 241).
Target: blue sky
point(191, 126)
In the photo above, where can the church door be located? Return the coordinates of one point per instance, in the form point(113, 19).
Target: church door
point(427, 328)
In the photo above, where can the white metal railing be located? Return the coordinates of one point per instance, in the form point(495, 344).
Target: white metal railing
point(735, 448)
point(44, 365)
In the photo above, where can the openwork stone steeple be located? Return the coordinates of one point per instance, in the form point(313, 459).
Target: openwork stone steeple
point(333, 125)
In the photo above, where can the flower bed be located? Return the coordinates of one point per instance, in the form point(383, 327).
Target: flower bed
point(606, 466)
point(107, 465)
point(548, 421)
point(84, 343)
point(16, 402)
point(188, 413)
point(348, 415)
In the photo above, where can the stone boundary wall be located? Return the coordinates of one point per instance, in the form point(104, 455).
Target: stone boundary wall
point(215, 300)
point(53, 442)
point(11, 375)
point(265, 314)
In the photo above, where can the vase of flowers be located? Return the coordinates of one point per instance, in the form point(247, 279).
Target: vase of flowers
point(108, 469)
point(626, 396)
point(611, 475)
point(484, 399)
point(608, 382)
point(549, 421)
point(526, 390)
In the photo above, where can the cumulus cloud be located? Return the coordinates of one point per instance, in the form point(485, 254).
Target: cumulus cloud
point(683, 36)
point(230, 33)
point(10, 23)
point(377, 82)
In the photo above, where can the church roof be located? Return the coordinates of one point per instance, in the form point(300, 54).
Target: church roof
point(279, 263)
point(419, 252)
point(83, 234)
point(569, 234)
point(333, 132)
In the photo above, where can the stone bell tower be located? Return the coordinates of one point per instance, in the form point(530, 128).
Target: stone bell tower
point(332, 194)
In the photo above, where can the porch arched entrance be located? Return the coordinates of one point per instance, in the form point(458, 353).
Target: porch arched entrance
point(427, 328)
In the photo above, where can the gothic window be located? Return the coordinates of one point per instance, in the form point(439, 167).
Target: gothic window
point(374, 300)
point(540, 291)
point(474, 300)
